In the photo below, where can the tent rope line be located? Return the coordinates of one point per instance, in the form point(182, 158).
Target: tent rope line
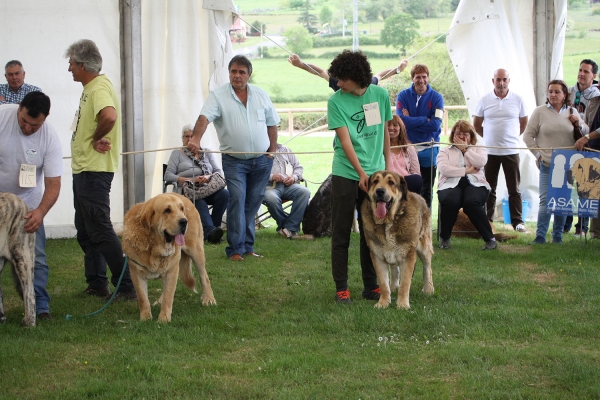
point(331, 151)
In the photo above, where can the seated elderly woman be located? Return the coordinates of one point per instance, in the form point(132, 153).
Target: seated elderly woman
point(197, 168)
point(404, 160)
point(462, 184)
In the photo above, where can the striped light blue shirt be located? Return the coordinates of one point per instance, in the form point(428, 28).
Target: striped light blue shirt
point(240, 128)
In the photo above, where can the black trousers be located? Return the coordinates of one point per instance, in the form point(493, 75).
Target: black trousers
point(345, 197)
point(472, 200)
point(95, 233)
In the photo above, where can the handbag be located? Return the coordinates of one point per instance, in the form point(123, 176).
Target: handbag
point(194, 191)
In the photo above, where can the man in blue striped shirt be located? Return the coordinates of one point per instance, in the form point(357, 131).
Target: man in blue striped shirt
point(246, 124)
point(15, 90)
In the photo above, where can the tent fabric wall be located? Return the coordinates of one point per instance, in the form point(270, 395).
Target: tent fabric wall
point(40, 32)
point(177, 68)
point(485, 36)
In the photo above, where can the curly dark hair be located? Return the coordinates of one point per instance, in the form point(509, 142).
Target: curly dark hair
point(352, 65)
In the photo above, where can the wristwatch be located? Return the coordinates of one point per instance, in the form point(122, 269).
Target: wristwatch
point(398, 71)
point(587, 136)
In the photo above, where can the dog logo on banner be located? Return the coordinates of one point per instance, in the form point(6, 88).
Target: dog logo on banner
point(574, 183)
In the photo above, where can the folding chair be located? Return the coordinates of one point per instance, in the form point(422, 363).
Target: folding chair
point(266, 215)
point(166, 184)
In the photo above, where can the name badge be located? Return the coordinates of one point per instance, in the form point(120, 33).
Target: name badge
point(27, 176)
point(289, 170)
point(372, 114)
point(74, 123)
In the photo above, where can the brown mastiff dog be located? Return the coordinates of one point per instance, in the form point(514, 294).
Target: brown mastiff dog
point(397, 225)
point(161, 237)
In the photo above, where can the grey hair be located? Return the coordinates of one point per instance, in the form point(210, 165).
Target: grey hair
point(85, 52)
point(13, 63)
point(187, 128)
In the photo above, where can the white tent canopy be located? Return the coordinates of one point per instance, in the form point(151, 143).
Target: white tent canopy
point(184, 53)
point(164, 57)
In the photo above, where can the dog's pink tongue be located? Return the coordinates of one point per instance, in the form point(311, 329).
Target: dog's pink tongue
point(180, 239)
point(381, 210)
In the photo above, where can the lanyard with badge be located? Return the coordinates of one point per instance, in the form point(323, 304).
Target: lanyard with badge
point(27, 176)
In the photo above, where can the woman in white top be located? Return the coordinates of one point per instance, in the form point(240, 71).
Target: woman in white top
point(404, 160)
point(462, 184)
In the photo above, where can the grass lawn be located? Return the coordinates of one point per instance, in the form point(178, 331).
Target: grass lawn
point(519, 322)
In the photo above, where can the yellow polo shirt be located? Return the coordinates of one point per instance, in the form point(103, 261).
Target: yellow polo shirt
point(97, 94)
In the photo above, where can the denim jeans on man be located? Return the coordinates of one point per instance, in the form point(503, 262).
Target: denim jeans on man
point(95, 233)
point(40, 275)
point(219, 201)
point(543, 220)
point(246, 181)
point(273, 200)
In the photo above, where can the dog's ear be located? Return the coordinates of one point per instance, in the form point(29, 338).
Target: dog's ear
point(146, 216)
point(402, 186)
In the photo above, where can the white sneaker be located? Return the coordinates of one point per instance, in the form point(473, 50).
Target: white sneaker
point(520, 228)
point(285, 233)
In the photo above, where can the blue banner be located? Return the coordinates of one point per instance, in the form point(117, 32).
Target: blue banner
point(574, 183)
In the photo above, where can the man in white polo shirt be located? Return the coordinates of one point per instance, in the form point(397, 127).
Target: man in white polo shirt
point(505, 119)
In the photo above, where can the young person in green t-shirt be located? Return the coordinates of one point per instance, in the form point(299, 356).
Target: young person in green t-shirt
point(358, 113)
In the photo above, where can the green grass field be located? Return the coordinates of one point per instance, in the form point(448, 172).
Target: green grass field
point(518, 322)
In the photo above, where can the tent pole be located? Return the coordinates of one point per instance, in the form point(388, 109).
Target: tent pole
point(132, 115)
point(543, 37)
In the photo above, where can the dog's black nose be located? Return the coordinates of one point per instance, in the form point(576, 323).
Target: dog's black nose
point(380, 192)
point(182, 225)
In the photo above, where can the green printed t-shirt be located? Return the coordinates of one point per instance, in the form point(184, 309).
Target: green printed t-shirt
point(345, 109)
point(97, 94)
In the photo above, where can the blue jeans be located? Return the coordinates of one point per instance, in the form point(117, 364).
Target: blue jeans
point(219, 201)
point(543, 220)
point(40, 275)
point(298, 194)
point(95, 233)
point(246, 181)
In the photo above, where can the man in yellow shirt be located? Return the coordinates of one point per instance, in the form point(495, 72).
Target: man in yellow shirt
point(95, 149)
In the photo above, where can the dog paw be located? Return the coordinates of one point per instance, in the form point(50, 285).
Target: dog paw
point(428, 289)
point(382, 304)
point(26, 322)
point(164, 318)
point(403, 306)
point(145, 316)
point(208, 301)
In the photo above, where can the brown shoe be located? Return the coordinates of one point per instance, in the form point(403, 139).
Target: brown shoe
point(253, 254)
point(98, 292)
point(127, 295)
point(236, 257)
point(45, 316)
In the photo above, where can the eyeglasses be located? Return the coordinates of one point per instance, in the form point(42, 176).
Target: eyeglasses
point(462, 134)
point(187, 136)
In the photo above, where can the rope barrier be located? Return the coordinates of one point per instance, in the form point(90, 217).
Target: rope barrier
point(331, 151)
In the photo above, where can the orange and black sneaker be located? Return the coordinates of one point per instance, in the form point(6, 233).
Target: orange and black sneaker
point(343, 297)
point(371, 294)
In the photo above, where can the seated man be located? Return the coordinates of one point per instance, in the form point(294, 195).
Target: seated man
point(286, 172)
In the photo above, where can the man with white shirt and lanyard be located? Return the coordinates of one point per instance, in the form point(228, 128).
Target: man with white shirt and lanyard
point(31, 167)
point(505, 117)
point(421, 109)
